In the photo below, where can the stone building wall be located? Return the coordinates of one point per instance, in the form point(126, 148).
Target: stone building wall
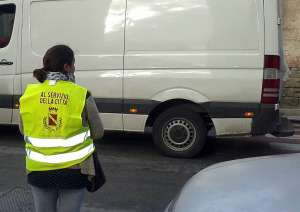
point(291, 49)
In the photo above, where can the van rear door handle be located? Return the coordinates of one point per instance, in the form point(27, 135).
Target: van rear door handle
point(6, 63)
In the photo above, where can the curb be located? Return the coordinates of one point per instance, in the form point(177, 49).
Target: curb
point(291, 113)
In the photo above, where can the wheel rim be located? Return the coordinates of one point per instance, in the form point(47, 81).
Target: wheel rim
point(179, 134)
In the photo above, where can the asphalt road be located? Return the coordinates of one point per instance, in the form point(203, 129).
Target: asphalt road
point(139, 178)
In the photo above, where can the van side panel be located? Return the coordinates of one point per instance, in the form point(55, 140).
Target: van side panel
point(192, 25)
point(95, 31)
point(213, 48)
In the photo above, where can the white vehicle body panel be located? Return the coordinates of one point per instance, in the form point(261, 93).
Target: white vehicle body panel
point(139, 54)
point(256, 184)
point(195, 52)
point(233, 126)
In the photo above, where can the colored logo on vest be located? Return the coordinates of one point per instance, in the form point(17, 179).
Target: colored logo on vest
point(52, 119)
point(52, 122)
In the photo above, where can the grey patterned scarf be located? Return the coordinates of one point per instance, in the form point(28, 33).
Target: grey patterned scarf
point(58, 76)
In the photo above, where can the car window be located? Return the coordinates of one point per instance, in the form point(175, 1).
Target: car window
point(7, 14)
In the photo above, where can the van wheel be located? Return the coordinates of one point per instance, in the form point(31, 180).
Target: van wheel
point(179, 132)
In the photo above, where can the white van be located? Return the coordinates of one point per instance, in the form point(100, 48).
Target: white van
point(175, 68)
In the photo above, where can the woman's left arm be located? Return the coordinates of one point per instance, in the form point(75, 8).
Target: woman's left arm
point(93, 118)
point(21, 128)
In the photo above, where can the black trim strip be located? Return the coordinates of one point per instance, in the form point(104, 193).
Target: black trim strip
point(144, 107)
point(16, 99)
point(6, 101)
point(230, 109)
point(106, 105)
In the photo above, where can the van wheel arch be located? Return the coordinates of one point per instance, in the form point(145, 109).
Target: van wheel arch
point(176, 103)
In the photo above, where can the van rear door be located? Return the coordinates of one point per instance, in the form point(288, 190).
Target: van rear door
point(9, 13)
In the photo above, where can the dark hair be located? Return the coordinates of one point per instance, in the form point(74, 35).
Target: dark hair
point(54, 60)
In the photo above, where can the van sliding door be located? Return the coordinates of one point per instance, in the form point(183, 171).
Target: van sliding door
point(95, 31)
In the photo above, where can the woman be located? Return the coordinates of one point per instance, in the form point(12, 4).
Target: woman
point(59, 120)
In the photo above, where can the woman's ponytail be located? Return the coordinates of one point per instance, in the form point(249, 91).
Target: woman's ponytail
point(40, 74)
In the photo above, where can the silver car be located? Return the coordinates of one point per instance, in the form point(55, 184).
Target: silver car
point(259, 184)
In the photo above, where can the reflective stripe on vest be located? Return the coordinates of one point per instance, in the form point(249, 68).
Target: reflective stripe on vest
point(60, 158)
point(45, 142)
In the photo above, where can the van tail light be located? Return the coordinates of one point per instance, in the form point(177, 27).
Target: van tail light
point(271, 81)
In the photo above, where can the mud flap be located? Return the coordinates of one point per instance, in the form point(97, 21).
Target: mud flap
point(285, 128)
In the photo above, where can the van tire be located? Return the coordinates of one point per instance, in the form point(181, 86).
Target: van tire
point(179, 132)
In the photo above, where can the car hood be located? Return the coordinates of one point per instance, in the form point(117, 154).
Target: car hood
point(265, 184)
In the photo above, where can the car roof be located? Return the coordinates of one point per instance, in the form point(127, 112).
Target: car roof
point(265, 184)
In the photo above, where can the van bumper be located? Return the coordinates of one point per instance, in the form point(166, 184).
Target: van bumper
point(269, 121)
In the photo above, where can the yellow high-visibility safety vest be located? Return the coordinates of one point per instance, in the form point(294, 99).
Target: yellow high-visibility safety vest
point(53, 131)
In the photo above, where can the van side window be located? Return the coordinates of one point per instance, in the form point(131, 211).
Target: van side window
point(7, 14)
